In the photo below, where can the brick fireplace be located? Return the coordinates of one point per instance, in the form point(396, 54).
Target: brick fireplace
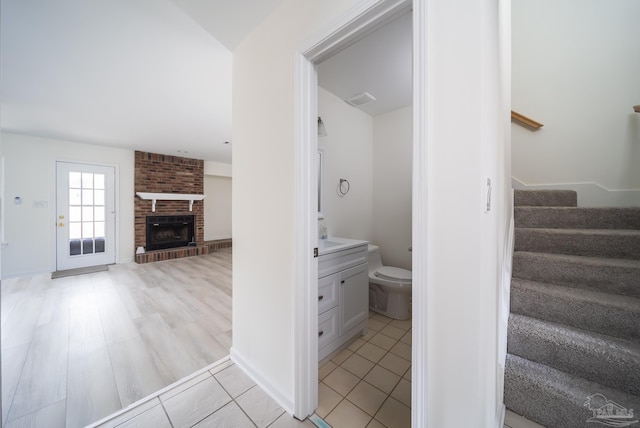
point(156, 173)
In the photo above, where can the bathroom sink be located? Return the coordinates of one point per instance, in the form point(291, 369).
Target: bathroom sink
point(323, 244)
point(333, 244)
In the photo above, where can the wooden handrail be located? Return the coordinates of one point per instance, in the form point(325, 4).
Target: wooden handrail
point(524, 120)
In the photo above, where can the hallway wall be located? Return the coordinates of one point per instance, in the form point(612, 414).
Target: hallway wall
point(575, 69)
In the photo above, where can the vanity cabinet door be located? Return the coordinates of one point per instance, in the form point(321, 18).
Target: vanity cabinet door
point(328, 292)
point(354, 297)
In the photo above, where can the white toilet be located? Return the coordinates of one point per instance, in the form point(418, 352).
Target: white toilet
point(389, 287)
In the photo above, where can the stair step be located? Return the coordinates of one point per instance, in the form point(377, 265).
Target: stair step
point(605, 313)
point(619, 244)
point(577, 218)
point(545, 198)
point(600, 358)
point(554, 398)
point(617, 276)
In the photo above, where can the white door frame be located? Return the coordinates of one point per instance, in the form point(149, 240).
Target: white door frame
point(362, 20)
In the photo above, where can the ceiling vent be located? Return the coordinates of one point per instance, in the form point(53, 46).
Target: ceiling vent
point(361, 99)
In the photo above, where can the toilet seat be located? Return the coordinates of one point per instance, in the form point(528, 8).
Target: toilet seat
point(391, 273)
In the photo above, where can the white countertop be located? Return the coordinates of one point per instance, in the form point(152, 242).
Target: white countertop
point(333, 244)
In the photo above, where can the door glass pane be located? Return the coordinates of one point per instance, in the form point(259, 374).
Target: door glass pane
point(87, 197)
point(87, 214)
point(75, 197)
point(87, 229)
point(98, 214)
point(87, 181)
point(75, 180)
point(99, 229)
point(98, 181)
point(75, 231)
point(75, 214)
point(98, 197)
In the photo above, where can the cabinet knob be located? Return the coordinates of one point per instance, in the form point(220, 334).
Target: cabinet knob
point(342, 282)
point(320, 298)
point(320, 333)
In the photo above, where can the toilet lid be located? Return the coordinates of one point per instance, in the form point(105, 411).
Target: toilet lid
point(393, 273)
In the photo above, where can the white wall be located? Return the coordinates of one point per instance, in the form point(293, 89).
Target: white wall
point(460, 139)
point(30, 174)
point(575, 69)
point(263, 188)
point(348, 154)
point(220, 169)
point(217, 207)
point(392, 160)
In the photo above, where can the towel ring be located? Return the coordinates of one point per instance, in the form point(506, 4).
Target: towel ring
point(344, 187)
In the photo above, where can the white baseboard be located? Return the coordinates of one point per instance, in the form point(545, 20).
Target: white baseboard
point(285, 402)
point(589, 194)
point(22, 274)
point(216, 238)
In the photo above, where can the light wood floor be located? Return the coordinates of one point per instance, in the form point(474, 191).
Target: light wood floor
point(83, 347)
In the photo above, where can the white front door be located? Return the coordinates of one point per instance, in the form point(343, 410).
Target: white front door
point(85, 217)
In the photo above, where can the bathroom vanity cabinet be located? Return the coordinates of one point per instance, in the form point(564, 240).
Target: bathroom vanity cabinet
point(343, 295)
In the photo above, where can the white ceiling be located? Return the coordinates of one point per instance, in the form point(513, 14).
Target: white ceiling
point(155, 75)
point(379, 64)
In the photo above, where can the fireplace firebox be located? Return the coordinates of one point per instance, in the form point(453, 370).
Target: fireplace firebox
point(169, 232)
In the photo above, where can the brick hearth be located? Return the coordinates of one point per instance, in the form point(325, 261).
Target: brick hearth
point(177, 253)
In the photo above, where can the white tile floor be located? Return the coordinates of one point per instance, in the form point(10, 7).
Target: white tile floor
point(222, 396)
point(368, 384)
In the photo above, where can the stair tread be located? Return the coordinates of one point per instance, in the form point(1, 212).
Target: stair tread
point(607, 313)
point(611, 275)
point(545, 198)
point(564, 231)
point(553, 397)
point(578, 217)
point(587, 260)
point(575, 334)
point(614, 243)
point(628, 303)
point(574, 350)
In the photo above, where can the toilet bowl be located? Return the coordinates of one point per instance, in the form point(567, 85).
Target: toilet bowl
point(389, 287)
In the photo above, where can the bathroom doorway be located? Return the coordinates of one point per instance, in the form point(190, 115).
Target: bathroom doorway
point(365, 103)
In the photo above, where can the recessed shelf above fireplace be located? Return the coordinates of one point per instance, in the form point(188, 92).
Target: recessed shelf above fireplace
point(170, 197)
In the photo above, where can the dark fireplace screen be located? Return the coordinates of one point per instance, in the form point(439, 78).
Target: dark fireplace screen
point(169, 232)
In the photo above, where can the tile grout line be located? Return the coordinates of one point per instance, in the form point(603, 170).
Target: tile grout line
point(233, 399)
point(164, 409)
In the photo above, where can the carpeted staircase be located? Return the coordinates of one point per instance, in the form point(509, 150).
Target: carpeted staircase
point(574, 328)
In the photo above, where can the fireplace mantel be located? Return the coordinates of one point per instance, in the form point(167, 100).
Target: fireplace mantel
point(170, 197)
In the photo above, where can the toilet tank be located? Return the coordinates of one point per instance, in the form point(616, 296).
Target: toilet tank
point(374, 259)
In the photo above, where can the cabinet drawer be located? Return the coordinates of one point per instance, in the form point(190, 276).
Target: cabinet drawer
point(327, 327)
point(327, 293)
point(341, 260)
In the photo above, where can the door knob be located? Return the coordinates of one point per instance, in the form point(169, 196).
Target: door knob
point(60, 224)
point(61, 217)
